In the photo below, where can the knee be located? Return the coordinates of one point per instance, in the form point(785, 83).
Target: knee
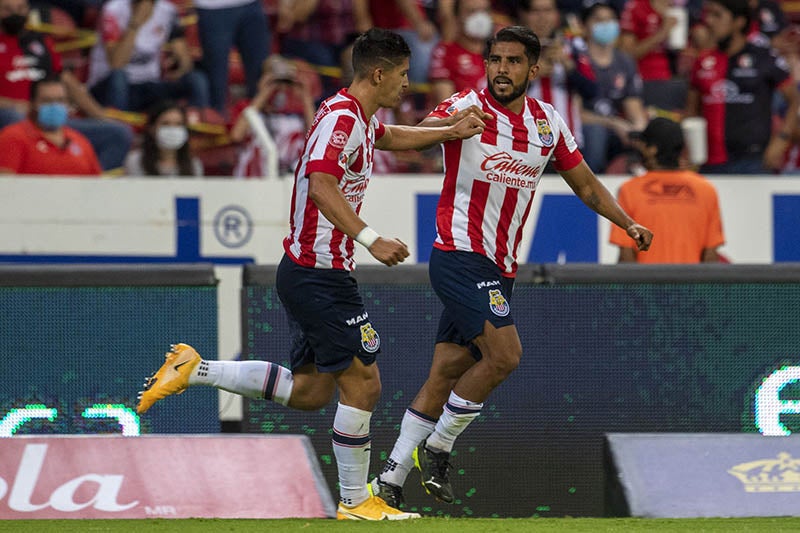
point(504, 363)
point(371, 393)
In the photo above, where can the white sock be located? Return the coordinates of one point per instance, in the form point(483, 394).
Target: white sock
point(351, 446)
point(457, 415)
point(414, 428)
point(254, 379)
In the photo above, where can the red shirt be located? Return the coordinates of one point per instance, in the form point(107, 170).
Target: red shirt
point(22, 63)
point(640, 19)
point(26, 151)
point(451, 61)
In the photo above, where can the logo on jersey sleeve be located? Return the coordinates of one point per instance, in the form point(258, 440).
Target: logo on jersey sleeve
point(498, 303)
point(545, 132)
point(338, 139)
point(370, 340)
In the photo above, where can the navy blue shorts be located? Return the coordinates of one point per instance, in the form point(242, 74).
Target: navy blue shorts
point(327, 320)
point(473, 291)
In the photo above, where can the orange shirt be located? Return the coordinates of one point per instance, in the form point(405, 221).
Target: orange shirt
point(26, 151)
point(680, 208)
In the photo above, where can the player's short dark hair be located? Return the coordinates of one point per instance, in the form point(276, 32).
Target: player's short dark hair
point(376, 48)
point(33, 91)
point(517, 34)
point(666, 135)
point(738, 8)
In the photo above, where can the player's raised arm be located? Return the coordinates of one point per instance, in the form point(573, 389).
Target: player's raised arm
point(416, 138)
point(433, 121)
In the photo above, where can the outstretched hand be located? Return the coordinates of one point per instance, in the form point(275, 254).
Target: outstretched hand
point(641, 235)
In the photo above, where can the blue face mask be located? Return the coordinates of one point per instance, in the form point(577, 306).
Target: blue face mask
point(605, 32)
point(52, 116)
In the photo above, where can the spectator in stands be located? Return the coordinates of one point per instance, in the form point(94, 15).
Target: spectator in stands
point(316, 31)
point(165, 147)
point(27, 56)
point(732, 86)
point(618, 108)
point(504, 13)
point(223, 24)
point(409, 19)
point(681, 204)
point(458, 65)
point(286, 106)
point(645, 27)
point(126, 64)
point(792, 165)
point(561, 82)
point(768, 21)
point(43, 144)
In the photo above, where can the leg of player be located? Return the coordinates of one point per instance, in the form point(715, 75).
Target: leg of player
point(359, 390)
point(450, 361)
point(306, 389)
point(501, 350)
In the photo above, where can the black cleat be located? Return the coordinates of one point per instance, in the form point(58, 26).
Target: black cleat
point(391, 494)
point(434, 468)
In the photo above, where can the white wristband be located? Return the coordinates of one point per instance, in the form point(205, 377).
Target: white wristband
point(367, 237)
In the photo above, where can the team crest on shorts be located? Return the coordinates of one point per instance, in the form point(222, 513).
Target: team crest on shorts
point(498, 303)
point(545, 133)
point(370, 340)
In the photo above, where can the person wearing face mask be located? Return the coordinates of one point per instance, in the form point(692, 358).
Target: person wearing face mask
point(732, 86)
point(42, 144)
point(165, 147)
point(28, 56)
point(617, 109)
point(458, 65)
point(679, 205)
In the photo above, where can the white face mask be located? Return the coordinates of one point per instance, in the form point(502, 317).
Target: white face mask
point(479, 25)
point(171, 137)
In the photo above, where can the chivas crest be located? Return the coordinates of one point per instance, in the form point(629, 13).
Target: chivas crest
point(545, 133)
point(370, 340)
point(498, 303)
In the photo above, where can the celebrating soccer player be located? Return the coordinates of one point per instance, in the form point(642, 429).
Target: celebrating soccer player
point(489, 183)
point(334, 342)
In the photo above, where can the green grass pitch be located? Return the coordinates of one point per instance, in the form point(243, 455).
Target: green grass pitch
point(424, 525)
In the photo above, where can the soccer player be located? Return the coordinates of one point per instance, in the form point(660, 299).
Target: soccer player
point(334, 343)
point(489, 183)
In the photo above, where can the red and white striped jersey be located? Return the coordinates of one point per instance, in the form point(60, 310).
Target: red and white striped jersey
point(490, 179)
point(340, 142)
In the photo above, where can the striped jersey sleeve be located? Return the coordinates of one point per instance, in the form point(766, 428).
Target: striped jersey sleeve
point(340, 143)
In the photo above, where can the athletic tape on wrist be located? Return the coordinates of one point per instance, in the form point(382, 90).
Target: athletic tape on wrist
point(366, 237)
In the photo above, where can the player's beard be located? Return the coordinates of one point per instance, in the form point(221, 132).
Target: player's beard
point(517, 91)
